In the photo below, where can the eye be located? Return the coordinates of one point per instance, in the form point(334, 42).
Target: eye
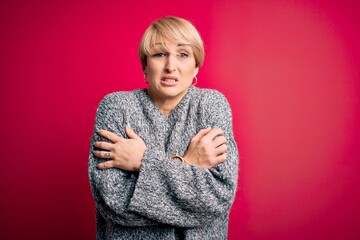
point(159, 55)
point(183, 55)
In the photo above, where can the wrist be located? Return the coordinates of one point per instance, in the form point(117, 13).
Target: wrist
point(176, 156)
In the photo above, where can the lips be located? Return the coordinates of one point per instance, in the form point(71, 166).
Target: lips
point(169, 80)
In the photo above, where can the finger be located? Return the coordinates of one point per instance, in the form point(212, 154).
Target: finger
point(104, 145)
point(109, 135)
point(221, 149)
point(105, 165)
point(219, 140)
point(130, 133)
point(201, 133)
point(221, 158)
point(102, 154)
point(214, 132)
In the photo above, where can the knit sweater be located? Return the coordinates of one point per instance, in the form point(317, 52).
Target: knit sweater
point(166, 199)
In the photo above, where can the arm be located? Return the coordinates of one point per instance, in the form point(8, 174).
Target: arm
point(178, 194)
point(113, 188)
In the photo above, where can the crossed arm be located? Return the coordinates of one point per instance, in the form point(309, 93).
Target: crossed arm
point(207, 149)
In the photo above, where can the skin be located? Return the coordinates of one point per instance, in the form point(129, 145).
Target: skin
point(207, 148)
point(125, 153)
point(170, 73)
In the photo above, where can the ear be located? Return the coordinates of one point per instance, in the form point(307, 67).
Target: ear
point(196, 71)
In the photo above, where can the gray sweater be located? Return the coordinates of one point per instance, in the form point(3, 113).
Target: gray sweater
point(166, 199)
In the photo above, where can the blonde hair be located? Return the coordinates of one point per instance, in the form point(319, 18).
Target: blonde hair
point(171, 28)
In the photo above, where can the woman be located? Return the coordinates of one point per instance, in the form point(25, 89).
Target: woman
point(163, 161)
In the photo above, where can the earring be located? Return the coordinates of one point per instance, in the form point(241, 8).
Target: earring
point(145, 79)
point(194, 83)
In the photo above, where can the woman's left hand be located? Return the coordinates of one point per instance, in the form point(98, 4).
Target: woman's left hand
point(123, 153)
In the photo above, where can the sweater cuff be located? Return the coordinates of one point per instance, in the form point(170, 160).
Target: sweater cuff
point(151, 194)
point(145, 193)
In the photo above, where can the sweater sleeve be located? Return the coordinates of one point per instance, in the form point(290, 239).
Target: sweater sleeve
point(181, 195)
point(113, 188)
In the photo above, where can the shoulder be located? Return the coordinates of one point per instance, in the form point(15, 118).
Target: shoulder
point(212, 97)
point(118, 99)
point(214, 109)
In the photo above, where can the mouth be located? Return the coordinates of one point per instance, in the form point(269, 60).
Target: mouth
point(169, 79)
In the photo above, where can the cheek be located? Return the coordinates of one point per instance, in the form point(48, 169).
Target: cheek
point(154, 67)
point(191, 71)
point(151, 70)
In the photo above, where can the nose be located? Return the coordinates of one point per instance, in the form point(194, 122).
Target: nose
point(170, 64)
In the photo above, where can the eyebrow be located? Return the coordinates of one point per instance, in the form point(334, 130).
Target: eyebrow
point(182, 44)
point(177, 45)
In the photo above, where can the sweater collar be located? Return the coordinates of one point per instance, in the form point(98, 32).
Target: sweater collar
point(153, 111)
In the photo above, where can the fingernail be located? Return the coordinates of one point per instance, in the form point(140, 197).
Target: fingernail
point(128, 125)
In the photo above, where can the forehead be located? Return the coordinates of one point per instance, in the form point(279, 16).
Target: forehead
point(170, 43)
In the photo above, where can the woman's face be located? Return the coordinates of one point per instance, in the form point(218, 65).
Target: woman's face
point(170, 72)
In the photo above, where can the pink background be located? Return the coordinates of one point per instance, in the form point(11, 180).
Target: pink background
point(290, 70)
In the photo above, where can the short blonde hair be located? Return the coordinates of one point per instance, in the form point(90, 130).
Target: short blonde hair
point(171, 28)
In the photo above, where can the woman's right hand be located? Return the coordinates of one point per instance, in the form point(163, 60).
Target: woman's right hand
point(123, 153)
point(207, 148)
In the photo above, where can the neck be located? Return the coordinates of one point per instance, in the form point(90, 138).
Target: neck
point(166, 109)
point(166, 105)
